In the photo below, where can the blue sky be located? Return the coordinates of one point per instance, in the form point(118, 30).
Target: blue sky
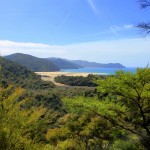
point(94, 30)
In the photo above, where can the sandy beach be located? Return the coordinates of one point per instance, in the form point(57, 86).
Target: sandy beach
point(49, 76)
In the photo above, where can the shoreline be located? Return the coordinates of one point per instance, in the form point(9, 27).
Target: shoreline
point(59, 73)
point(49, 76)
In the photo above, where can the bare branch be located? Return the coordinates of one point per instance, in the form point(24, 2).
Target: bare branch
point(144, 3)
point(144, 27)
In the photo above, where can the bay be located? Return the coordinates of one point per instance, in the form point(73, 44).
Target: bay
point(102, 71)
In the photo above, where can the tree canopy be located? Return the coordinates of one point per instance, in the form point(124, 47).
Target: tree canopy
point(124, 102)
point(20, 127)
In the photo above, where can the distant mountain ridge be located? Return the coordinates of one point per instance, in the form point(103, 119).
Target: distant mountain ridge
point(34, 63)
point(55, 64)
point(63, 63)
point(87, 64)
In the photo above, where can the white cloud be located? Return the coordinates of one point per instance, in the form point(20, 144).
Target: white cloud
point(129, 52)
point(128, 26)
point(115, 28)
point(112, 30)
point(37, 49)
point(21, 44)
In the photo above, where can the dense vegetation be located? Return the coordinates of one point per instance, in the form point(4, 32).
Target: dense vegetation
point(42, 92)
point(22, 127)
point(39, 116)
point(115, 116)
point(77, 80)
point(125, 106)
point(33, 63)
point(13, 73)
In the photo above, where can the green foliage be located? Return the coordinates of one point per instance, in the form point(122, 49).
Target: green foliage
point(124, 145)
point(20, 128)
point(77, 80)
point(131, 91)
point(84, 131)
point(69, 144)
point(52, 99)
point(47, 98)
point(104, 124)
point(125, 105)
point(12, 73)
point(116, 116)
point(74, 91)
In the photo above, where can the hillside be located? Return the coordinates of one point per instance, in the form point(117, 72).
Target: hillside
point(63, 63)
point(87, 64)
point(55, 64)
point(13, 73)
point(33, 63)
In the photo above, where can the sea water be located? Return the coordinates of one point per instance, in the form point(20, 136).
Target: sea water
point(103, 71)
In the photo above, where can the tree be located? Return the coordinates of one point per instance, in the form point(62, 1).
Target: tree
point(145, 27)
point(85, 131)
point(125, 103)
point(20, 128)
point(131, 92)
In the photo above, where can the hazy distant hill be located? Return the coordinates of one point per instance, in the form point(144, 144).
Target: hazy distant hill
point(55, 64)
point(63, 63)
point(15, 74)
point(87, 64)
point(33, 63)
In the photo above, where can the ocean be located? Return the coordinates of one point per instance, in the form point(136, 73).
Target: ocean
point(101, 71)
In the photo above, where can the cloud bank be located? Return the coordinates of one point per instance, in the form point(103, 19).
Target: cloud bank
point(129, 52)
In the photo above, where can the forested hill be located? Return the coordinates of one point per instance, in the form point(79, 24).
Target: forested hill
point(33, 63)
point(63, 63)
point(87, 64)
point(55, 64)
point(75, 64)
point(13, 73)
